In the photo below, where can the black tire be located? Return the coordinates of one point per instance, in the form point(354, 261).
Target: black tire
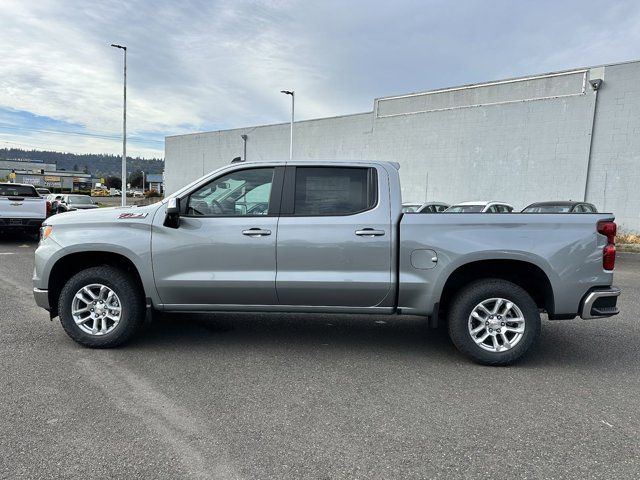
point(475, 293)
point(131, 299)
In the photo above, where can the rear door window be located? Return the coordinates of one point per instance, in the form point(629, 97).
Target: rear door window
point(334, 190)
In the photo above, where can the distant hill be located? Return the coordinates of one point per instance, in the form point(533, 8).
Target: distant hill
point(98, 164)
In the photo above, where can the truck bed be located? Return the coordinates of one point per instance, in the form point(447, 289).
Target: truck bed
point(565, 247)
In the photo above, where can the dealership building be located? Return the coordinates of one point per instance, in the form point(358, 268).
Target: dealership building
point(44, 174)
point(570, 135)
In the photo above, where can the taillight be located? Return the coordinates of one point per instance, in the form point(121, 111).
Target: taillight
point(609, 257)
point(48, 208)
point(608, 229)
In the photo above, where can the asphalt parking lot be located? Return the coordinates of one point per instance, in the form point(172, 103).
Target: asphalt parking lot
point(291, 396)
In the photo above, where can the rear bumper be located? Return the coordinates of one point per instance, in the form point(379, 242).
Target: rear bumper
point(21, 222)
point(42, 298)
point(600, 303)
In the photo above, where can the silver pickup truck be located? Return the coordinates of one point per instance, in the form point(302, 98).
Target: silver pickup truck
point(21, 208)
point(324, 237)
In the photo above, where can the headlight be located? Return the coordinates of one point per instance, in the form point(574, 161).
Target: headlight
point(45, 231)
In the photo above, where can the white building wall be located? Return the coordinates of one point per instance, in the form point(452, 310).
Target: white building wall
point(520, 141)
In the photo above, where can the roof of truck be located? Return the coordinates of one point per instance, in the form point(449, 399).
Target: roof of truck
point(17, 184)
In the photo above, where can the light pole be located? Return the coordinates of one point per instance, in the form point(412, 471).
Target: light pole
point(244, 147)
point(143, 177)
point(293, 105)
point(124, 128)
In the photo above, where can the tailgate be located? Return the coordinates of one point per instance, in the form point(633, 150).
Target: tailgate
point(23, 207)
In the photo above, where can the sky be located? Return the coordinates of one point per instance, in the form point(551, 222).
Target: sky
point(211, 65)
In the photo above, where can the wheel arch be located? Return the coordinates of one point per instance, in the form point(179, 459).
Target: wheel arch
point(67, 266)
point(525, 274)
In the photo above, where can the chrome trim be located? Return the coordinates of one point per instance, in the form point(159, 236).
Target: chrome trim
point(42, 298)
point(590, 299)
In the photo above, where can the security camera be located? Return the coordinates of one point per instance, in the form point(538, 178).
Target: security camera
point(596, 84)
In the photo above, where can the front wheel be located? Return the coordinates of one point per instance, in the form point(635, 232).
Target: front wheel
point(101, 307)
point(494, 322)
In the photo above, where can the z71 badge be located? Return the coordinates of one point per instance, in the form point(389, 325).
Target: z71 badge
point(132, 215)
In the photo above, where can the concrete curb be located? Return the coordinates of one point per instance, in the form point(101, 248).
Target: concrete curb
point(628, 247)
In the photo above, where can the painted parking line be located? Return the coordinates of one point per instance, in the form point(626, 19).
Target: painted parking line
point(7, 253)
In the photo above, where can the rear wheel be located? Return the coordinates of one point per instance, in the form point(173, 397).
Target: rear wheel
point(494, 322)
point(101, 307)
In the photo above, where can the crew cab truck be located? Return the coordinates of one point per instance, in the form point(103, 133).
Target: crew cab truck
point(21, 208)
point(324, 237)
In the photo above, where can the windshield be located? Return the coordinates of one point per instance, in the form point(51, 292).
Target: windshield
point(9, 190)
point(548, 209)
point(465, 209)
point(80, 200)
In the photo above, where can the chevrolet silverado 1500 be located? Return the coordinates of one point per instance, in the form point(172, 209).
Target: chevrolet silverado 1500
point(21, 207)
point(324, 237)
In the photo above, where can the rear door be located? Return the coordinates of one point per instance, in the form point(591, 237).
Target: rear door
point(334, 237)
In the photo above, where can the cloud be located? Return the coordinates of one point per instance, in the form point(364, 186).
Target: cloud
point(206, 65)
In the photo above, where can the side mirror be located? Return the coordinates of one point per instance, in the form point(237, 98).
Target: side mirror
point(172, 214)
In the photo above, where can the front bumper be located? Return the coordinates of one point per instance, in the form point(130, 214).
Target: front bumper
point(42, 298)
point(600, 303)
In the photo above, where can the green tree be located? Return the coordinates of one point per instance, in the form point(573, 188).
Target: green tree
point(135, 179)
point(113, 182)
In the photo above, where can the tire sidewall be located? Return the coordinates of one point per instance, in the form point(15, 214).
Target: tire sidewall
point(474, 294)
point(126, 290)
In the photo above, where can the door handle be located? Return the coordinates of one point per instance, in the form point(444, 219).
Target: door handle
point(369, 232)
point(256, 232)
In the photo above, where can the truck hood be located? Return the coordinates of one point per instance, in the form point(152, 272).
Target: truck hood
point(119, 215)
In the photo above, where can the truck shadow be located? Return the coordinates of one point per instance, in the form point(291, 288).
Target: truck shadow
point(308, 331)
point(17, 238)
point(560, 344)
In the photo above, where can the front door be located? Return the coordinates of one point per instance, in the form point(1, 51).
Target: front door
point(334, 237)
point(224, 251)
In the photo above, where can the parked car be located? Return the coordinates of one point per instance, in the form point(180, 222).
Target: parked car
point(433, 207)
point(323, 237)
point(560, 207)
point(69, 203)
point(480, 207)
point(43, 191)
point(410, 207)
point(21, 208)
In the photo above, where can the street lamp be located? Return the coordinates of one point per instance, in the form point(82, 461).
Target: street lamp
point(293, 103)
point(124, 128)
point(244, 147)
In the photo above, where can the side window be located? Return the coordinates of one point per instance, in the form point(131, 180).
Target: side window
point(441, 208)
point(579, 209)
point(334, 190)
point(493, 209)
point(239, 193)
